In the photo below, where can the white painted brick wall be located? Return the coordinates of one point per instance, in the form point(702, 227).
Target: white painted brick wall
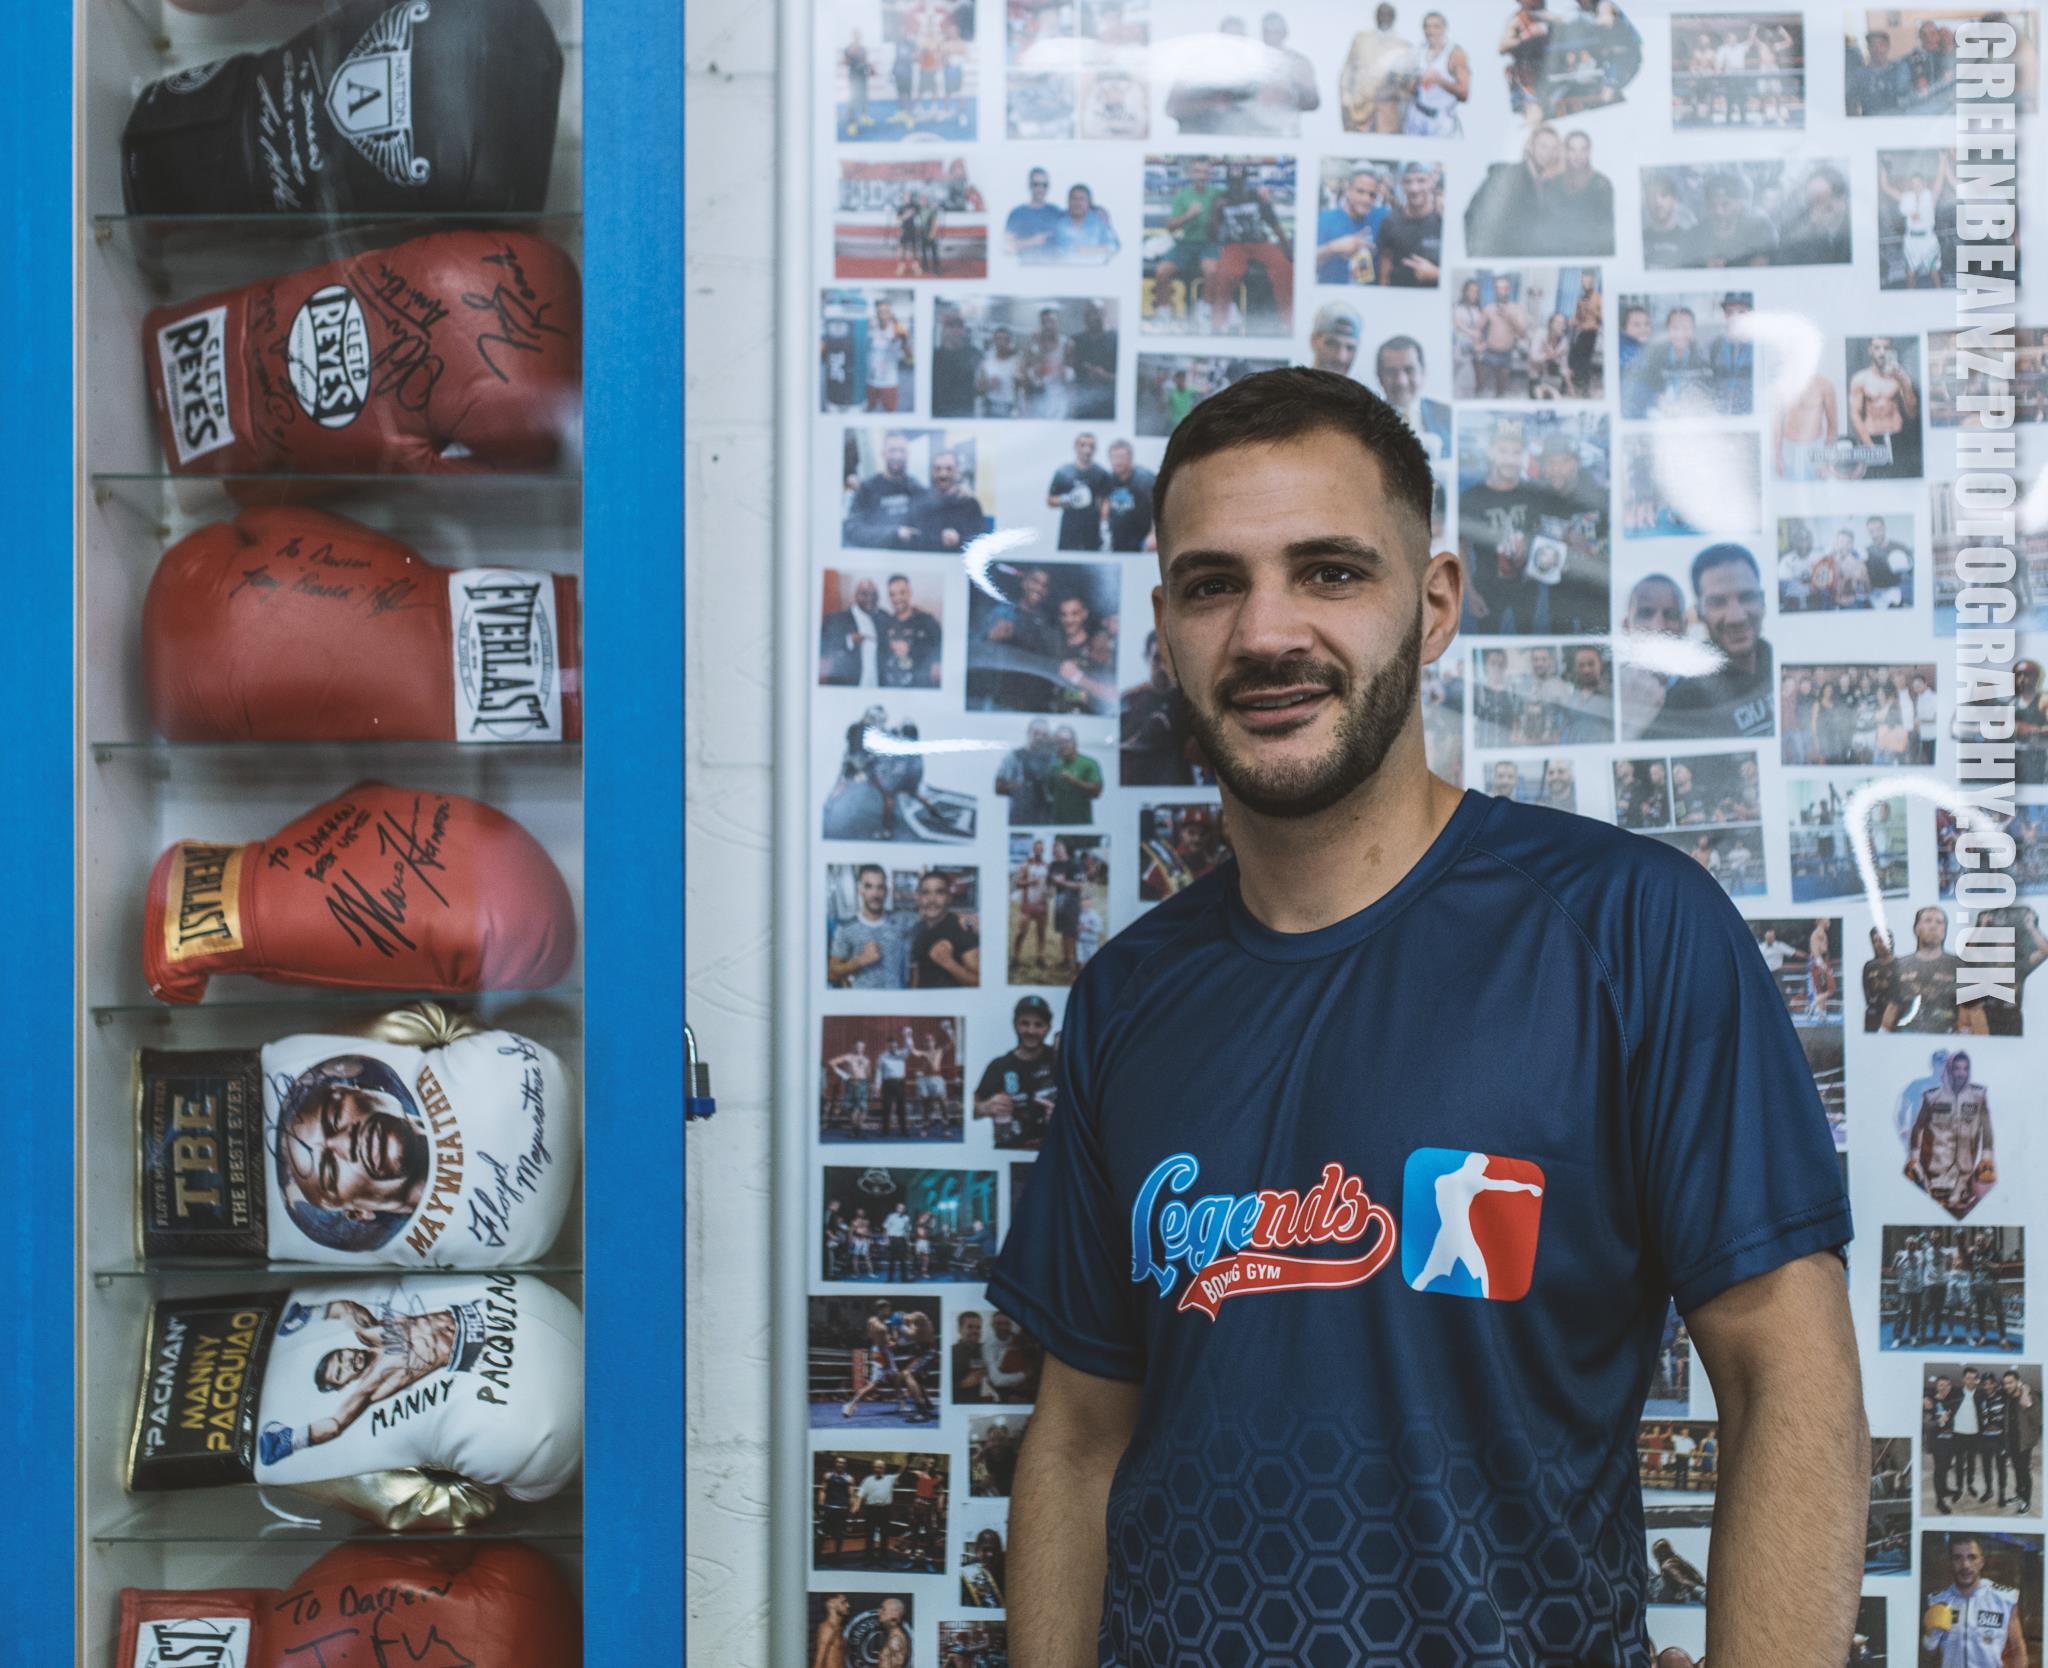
point(729, 245)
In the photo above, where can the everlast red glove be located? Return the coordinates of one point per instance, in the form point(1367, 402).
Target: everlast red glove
point(368, 1606)
point(383, 888)
point(456, 352)
point(295, 625)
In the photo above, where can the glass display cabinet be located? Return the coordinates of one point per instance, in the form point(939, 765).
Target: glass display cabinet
point(363, 752)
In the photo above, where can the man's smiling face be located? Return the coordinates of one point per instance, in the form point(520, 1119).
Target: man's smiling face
point(1294, 617)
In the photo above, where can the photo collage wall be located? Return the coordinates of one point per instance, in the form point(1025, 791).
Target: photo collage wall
point(1669, 298)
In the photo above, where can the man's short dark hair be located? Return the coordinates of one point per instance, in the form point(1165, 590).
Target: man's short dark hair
point(1287, 404)
point(866, 867)
point(894, 577)
point(1721, 556)
point(1401, 344)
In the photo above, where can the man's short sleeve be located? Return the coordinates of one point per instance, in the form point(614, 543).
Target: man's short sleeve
point(1061, 1274)
point(1735, 1156)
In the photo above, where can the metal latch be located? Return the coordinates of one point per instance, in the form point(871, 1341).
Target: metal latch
point(697, 1101)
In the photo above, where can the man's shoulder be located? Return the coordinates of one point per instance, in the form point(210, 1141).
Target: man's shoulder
point(1621, 890)
point(1122, 965)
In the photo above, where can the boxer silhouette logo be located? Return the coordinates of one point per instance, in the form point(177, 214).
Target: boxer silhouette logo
point(370, 98)
point(1469, 1223)
point(328, 356)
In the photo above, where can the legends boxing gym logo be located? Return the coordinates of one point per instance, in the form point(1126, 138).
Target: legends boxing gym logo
point(328, 356)
point(1230, 1242)
point(1469, 1223)
point(370, 98)
point(193, 1642)
point(507, 681)
point(192, 354)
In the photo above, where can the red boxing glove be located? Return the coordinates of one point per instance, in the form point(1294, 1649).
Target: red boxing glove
point(459, 352)
point(368, 1605)
point(295, 625)
point(383, 888)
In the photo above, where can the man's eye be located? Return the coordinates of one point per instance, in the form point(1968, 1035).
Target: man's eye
point(1334, 575)
point(1202, 589)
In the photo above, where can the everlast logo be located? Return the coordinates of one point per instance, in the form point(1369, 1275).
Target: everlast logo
point(506, 679)
point(192, 354)
point(205, 913)
point(329, 357)
point(194, 1642)
point(508, 684)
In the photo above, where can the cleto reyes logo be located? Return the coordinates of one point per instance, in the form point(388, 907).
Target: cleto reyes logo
point(1231, 1243)
point(192, 355)
point(328, 357)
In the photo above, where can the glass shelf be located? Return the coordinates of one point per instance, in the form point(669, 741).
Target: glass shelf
point(495, 480)
point(188, 254)
point(312, 996)
point(411, 751)
point(275, 1514)
point(166, 1266)
point(315, 225)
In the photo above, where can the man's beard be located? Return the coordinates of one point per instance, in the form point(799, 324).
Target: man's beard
point(1367, 724)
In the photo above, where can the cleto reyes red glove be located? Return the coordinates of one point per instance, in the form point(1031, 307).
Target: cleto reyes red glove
point(381, 888)
point(458, 352)
point(368, 1606)
point(296, 625)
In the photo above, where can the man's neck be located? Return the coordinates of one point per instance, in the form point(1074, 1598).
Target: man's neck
point(1297, 874)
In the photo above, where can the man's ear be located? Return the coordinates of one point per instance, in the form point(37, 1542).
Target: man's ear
point(1159, 626)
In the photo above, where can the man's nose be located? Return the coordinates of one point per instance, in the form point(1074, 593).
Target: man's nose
point(1271, 622)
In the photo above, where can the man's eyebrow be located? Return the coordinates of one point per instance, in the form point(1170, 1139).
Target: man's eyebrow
point(1189, 562)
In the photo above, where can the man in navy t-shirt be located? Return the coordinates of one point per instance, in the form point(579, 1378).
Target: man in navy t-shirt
point(1382, 1149)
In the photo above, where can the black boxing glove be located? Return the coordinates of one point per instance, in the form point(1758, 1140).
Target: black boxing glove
point(427, 106)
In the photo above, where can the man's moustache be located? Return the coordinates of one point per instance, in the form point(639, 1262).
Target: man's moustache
point(1250, 683)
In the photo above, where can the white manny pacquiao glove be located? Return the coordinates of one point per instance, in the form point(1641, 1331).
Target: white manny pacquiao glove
point(425, 1143)
point(413, 1402)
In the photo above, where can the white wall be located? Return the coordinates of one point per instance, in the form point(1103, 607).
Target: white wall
point(729, 246)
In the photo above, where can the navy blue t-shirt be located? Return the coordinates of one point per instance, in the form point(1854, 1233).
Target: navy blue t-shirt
point(1391, 1392)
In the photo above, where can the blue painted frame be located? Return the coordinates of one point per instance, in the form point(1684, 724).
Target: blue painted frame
point(633, 829)
point(36, 1380)
point(633, 637)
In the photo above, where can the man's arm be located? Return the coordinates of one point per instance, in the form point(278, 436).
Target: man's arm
point(1794, 1479)
point(366, 1391)
point(844, 967)
point(1059, 1547)
point(942, 954)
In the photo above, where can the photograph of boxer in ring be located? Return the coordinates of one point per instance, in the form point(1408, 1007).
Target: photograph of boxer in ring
point(352, 1152)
